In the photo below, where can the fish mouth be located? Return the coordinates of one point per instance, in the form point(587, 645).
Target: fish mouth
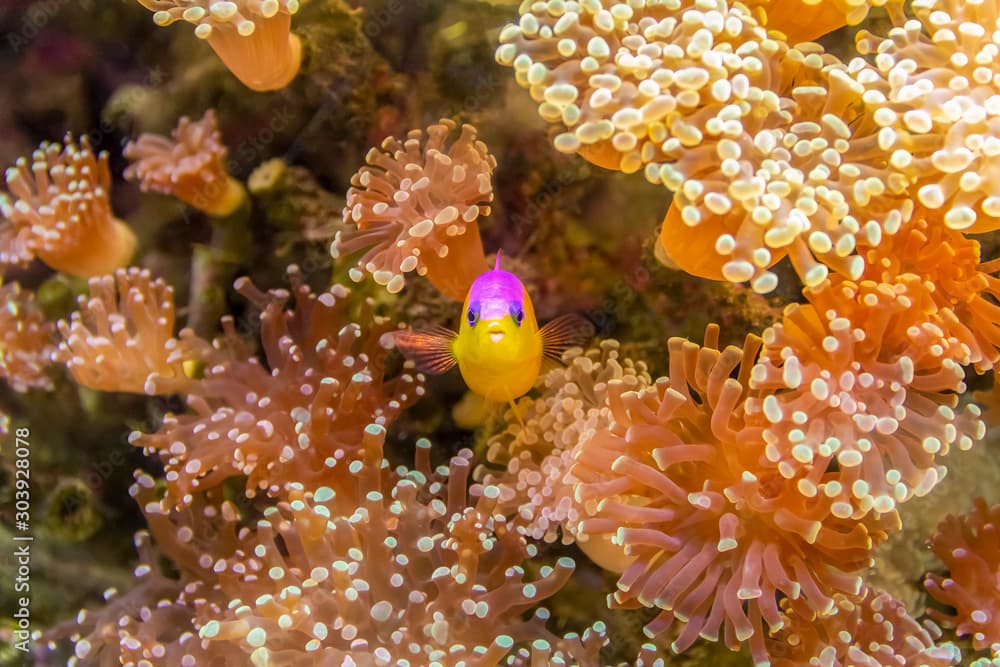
point(495, 332)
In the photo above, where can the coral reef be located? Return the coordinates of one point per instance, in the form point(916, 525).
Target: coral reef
point(122, 336)
point(301, 495)
point(295, 416)
point(764, 151)
point(871, 631)
point(393, 569)
point(949, 155)
point(710, 536)
point(537, 488)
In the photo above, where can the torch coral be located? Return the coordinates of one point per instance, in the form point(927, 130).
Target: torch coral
point(970, 547)
point(872, 630)
point(191, 166)
point(296, 416)
point(416, 206)
point(626, 79)
point(61, 212)
point(26, 347)
point(397, 580)
point(123, 335)
point(854, 379)
point(395, 570)
point(252, 37)
point(933, 92)
point(755, 138)
point(715, 537)
point(536, 490)
point(959, 291)
point(797, 177)
point(156, 622)
point(805, 20)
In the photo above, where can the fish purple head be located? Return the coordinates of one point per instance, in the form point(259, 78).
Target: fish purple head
point(495, 294)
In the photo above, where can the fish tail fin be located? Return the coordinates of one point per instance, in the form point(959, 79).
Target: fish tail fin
point(564, 332)
point(430, 349)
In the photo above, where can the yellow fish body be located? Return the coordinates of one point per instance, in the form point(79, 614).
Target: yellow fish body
point(499, 347)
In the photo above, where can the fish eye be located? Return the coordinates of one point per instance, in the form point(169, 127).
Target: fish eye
point(518, 314)
point(473, 317)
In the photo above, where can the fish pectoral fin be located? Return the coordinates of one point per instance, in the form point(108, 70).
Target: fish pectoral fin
point(430, 349)
point(564, 332)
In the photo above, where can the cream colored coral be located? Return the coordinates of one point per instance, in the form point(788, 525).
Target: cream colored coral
point(933, 92)
point(628, 81)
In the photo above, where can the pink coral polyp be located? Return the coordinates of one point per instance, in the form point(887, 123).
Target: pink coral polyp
point(294, 416)
point(872, 629)
point(415, 207)
point(969, 546)
point(717, 537)
point(859, 378)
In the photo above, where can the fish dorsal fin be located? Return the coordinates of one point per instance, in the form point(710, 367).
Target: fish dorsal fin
point(564, 332)
point(430, 348)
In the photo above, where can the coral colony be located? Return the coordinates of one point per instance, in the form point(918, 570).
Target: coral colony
point(296, 514)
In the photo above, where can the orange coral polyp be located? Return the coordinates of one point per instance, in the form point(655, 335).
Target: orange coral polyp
point(695, 248)
point(807, 20)
point(416, 207)
point(625, 80)
point(932, 89)
point(25, 341)
point(969, 545)
point(798, 175)
point(298, 414)
point(252, 37)
point(869, 629)
point(719, 535)
point(861, 378)
point(61, 212)
point(268, 59)
point(536, 488)
point(122, 336)
point(190, 165)
point(960, 292)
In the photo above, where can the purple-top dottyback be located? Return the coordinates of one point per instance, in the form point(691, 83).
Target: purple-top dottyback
point(494, 293)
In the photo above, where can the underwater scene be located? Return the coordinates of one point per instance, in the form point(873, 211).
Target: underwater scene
point(462, 333)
